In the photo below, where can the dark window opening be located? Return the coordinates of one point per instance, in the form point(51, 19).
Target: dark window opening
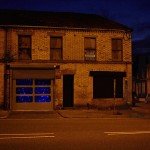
point(90, 48)
point(56, 48)
point(24, 47)
point(117, 49)
point(103, 87)
point(119, 87)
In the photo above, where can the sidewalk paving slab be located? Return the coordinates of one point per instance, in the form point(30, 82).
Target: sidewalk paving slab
point(141, 110)
point(33, 115)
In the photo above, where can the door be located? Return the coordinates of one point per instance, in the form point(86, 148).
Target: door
point(68, 90)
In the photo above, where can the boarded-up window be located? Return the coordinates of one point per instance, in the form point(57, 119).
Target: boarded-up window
point(117, 49)
point(103, 84)
point(103, 87)
point(24, 46)
point(90, 48)
point(56, 48)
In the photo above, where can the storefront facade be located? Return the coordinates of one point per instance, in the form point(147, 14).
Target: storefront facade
point(45, 68)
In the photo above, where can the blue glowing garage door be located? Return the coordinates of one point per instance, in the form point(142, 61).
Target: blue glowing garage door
point(33, 94)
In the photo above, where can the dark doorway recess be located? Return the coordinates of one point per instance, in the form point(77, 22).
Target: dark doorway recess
point(68, 90)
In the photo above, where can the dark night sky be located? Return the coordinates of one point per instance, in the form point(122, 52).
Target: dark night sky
point(133, 13)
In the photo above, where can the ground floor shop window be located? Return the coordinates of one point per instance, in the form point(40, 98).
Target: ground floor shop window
point(103, 84)
point(103, 87)
point(33, 90)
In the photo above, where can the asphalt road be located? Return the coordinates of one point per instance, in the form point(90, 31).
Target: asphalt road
point(75, 134)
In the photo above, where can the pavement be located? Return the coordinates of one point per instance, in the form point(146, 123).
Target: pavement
point(141, 110)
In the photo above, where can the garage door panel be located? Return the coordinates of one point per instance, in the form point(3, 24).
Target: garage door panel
point(32, 94)
point(33, 74)
point(31, 107)
point(24, 99)
point(42, 99)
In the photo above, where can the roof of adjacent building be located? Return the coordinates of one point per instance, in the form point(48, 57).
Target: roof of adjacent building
point(58, 20)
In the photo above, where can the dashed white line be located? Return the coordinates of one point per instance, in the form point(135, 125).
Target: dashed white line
point(26, 136)
point(22, 134)
point(127, 133)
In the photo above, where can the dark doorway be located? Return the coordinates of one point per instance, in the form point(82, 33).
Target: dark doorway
point(68, 90)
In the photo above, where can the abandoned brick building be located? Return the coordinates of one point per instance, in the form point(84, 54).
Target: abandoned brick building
point(51, 59)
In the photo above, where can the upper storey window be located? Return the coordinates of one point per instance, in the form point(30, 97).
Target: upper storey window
point(90, 48)
point(56, 48)
point(117, 49)
point(24, 47)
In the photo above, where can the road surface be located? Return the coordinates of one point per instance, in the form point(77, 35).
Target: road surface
point(75, 134)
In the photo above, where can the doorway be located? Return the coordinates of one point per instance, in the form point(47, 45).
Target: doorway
point(68, 90)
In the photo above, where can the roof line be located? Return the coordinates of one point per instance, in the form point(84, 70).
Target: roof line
point(48, 27)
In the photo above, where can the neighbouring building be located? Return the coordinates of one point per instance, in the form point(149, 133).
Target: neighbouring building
point(148, 77)
point(139, 75)
point(50, 60)
point(141, 67)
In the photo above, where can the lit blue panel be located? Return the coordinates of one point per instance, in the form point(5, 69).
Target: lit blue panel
point(42, 99)
point(24, 82)
point(42, 82)
point(24, 99)
point(22, 90)
point(42, 90)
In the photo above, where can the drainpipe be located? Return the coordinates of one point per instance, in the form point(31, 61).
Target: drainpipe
point(6, 95)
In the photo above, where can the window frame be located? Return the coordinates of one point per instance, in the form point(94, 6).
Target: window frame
point(93, 50)
point(21, 48)
point(116, 49)
point(53, 48)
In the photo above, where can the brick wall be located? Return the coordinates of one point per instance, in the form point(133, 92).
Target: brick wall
point(73, 44)
point(83, 83)
point(73, 58)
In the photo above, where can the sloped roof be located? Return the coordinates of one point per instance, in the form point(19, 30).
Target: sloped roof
point(58, 19)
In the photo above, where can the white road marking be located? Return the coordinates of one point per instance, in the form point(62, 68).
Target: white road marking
point(22, 134)
point(26, 136)
point(127, 133)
